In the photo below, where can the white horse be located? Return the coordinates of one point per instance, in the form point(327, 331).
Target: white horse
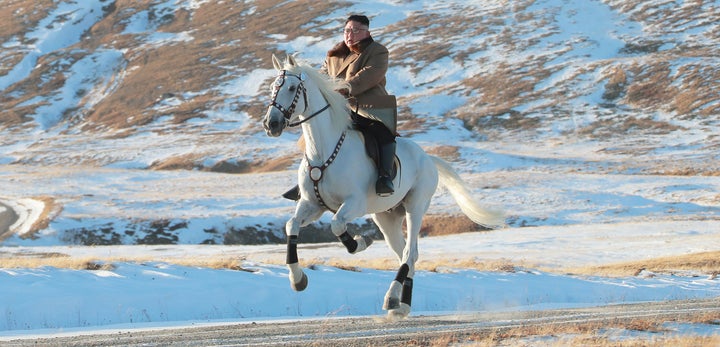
point(337, 175)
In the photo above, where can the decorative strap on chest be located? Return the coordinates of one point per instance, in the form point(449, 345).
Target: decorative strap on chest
point(316, 172)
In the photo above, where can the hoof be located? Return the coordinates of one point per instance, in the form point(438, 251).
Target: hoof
point(392, 297)
point(368, 241)
point(399, 313)
point(363, 242)
point(391, 304)
point(301, 285)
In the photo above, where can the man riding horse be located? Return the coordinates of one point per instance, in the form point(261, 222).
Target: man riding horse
point(363, 62)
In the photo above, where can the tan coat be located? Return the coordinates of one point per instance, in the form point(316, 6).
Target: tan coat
point(365, 72)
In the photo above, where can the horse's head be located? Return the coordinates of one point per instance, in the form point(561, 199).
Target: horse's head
point(286, 97)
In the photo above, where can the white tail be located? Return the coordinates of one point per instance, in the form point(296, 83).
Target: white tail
point(471, 208)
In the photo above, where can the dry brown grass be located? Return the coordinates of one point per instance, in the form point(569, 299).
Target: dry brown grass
point(182, 162)
point(56, 260)
point(667, 170)
point(651, 86)
point(557, 338)
point(278, 164)
point(17, 16)
point(440, 224)
point(592, 333)
point(449, 153)
point(618, 126)
point(694, 93)
point(706, 263)
point(617, 80)
point(442, 265)
point(505, 87)
point(63, 261)
point(194, 161)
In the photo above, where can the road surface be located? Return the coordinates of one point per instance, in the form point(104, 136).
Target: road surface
point(374, 331)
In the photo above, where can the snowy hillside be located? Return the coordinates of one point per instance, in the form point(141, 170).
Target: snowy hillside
point(94, 90)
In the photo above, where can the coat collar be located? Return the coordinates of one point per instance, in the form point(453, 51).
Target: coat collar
point(342, 50)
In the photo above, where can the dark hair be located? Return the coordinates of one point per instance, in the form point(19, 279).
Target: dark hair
point(360, 19)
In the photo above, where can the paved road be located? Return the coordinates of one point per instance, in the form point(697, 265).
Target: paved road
point(366, 331)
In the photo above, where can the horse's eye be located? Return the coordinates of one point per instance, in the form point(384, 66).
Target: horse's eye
point(292, 88)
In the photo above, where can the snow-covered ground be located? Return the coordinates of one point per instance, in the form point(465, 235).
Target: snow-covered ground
point(155, 293)
point(600, 220)
point(571, 201)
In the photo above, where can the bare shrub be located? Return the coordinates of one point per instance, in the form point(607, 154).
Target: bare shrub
point(97, 266)
point(617, 81)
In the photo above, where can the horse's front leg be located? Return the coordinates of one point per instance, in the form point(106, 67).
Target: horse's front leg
point(349, 210)
point(305, 213)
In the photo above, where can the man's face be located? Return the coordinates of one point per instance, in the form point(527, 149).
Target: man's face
point(355, 32)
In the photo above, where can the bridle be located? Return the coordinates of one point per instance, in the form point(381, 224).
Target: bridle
point(315, 172)
point(288, 112)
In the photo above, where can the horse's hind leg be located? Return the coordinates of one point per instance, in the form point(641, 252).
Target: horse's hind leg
point(398, 299)
point(390, 224)
point(399, 296)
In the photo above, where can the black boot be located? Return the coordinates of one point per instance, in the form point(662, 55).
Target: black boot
point(384, 185)
point(292, 194)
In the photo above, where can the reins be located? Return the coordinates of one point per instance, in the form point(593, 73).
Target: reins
point(294, 124)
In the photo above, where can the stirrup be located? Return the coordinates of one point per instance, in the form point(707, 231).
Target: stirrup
point(384, 186)
point(292, 194)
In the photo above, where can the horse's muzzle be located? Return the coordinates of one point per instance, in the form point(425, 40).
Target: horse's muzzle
point(273, 124)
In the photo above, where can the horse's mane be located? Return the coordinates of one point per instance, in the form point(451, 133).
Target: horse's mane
point(328, 87)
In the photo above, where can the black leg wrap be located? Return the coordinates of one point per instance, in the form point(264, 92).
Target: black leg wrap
point(349, 242)
point(292, 256)
point(402, 273)
point(406, 296)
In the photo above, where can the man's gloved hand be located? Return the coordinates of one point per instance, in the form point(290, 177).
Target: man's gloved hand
point(345, 92)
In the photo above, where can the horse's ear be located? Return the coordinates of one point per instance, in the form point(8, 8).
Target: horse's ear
point(276, 63)
point(291, 60)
